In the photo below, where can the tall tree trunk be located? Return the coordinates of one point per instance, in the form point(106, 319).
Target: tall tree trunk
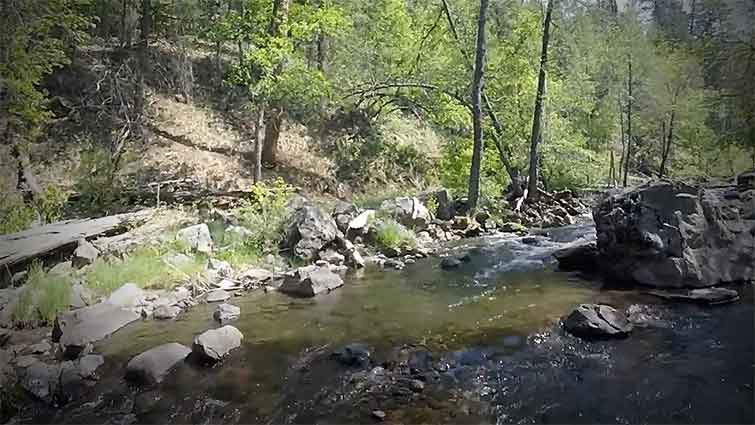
point(692, 18)
point(143, 58)
point(611, 170)
point(504, 154)
point(125, 36)
point(259, 135)
point(274, 115)
point(628, 156)
point(477, 82)
point(667, 143)
point(537, 119)
point(623, 144)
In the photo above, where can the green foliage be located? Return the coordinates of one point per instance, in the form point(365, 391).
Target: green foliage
point(96, 181)
point(44, 296)
point(264, 215)
point(15, 216)
point(145, 267)
point(389, 234)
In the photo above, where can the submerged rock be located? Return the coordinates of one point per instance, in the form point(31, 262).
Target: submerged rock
point(215, 344)
point(310, 281)
point(152, 366)
point(217, 296)
point(166, 312)
point(79, 328)
point(672, 235)
point(450, 263)
point(709, 296)
point(594, 321)
point(197, 238)
point(226, 313)
point(353, 355)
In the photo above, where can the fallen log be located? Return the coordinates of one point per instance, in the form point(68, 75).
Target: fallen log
point(59, 239)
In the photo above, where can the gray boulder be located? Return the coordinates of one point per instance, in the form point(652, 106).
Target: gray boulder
point(217, 296)
point(343, 213)
point(310, 231)
point(41, 380)
point(129, 296)
point(410, 212)
point(671, 235)
point(215, 344)
point(197, 238)
point(310, 281)
point(708, 296)
point(166, 312)
point(359, 225)
point(222, 268)
point(580, 257)
point(152, 366)
point(332, 256)
point(226, 313)
point(53, 383)
point(76, 329)
point(450, 263)
point(84, 255)
point(80, 297)
point(595, 321)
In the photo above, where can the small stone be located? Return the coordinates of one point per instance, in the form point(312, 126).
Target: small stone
point(62, 269)
point(321, 263)
point(43, 347)
point(353, 355)
point(165, 312)
point(19, 278)
point(226, 313)
point(152, 366)
point(84, 255)
point(227, 285)
point(393, 263)
point(450, 263)
point(215, 344)
point(378, 414)
point(197, 238)
point(591, 321)
point(417, 386)
point(223, 268)
point(217, 295)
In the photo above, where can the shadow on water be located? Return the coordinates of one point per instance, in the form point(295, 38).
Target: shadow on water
point(489, 333)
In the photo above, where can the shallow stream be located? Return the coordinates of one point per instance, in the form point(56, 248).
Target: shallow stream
point(489, 336)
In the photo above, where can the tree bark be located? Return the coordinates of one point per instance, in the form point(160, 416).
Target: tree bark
point(477, 82)
point(258, 140)
point(274, 114)
point(628, 156)
point(668, 140)
point(143, 60)
point(537, 119)
point(503, 154)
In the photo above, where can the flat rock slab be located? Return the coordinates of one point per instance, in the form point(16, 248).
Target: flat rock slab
point(310, 281)
point(595, 321)
point(217, 296)
point(708, 296)
point(226, 313)
point(75, 329)
point(152, 366)
point(215, 344)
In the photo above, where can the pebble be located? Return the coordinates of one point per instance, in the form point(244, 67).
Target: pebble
point(378, 414)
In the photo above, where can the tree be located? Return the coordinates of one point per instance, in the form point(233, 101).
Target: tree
point(278, 28)
point(477, 82)
point(537, 118)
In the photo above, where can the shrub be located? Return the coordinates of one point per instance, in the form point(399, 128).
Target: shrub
point(96, 181)
point(15, 216)
point(389, 234)
point(265, 216)
point(42, 298)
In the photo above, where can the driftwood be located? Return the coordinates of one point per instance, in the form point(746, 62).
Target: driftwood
point(18, 250)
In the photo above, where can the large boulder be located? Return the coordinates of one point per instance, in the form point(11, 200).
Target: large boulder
point(579, 257)
point(595, 321)
point(152, 366)
point(311, 230)
point(408, 211)
point(76, 329)
point(310, 281)
point(60, 382)
point(215, 344)
point(197, 238)
point(671, 235)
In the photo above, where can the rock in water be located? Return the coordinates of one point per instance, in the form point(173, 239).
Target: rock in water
point(309, 232)
point(215, 344)
point(580, 257)
point(197, 238)
point(710, 296)
point(450, 263)
point(310, 281)
point(217, 296)
point(595, 321)
point(152, 366)
point(76, 329)
point(671, 235)
point(353, 355)
point(410, 212)
point(166, 312)
point(84, 255)
point(226, 313)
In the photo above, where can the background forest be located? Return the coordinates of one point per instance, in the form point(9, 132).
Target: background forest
point(345, 96)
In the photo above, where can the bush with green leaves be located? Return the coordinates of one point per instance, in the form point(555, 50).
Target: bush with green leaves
point(390, 234)
point(44, 296)
point(97, 180)
point(15, 215)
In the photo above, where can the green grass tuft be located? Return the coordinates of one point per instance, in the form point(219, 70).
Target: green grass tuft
point(144, 267)
point(391, 234)
point(42, 298)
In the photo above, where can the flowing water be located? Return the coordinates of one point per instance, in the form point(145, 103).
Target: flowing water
point(489, 336)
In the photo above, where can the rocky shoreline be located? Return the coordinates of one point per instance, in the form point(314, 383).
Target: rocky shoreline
point(59, 367)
